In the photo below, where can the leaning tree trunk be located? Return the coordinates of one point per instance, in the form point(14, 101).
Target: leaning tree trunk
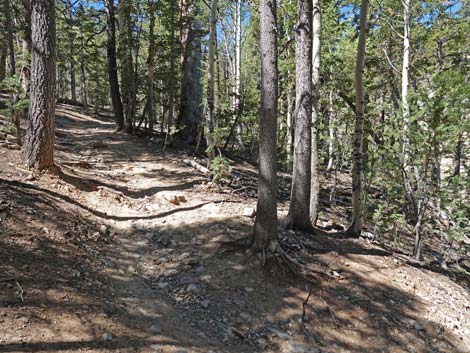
point(265, 229)
point(315, 181)
point(299, 210)
point(355, 228)
point(39, 145)
point(112, 65)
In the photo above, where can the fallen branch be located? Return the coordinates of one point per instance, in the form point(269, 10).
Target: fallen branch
point(304, 328)
point(197, 166)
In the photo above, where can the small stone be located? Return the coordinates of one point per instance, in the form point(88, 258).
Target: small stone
point(192, 288)
point(418, 326)
point(155, 329)
point(104, 230)
point(206, 278)
point(205, 304)
point(106, 336)
point(200, 269)
point(249, 212)
point(249, 290)
point(261, 342)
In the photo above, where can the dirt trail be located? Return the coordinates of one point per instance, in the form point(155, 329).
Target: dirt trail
point(104, 259)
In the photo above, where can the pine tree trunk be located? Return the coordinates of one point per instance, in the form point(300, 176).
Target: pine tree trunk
point(299, 210)
point(265, 229)
point(150, 66)
point(3, 59)
point(357, 158)
point(211, 80)
point(112, 65)
point(9, 35)
point(39, 145)
point(127, 66)
point(316, 56)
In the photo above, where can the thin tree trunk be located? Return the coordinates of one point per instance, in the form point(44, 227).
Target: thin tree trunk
point(316, 56)
point(39, 146)
point(3, 59)
point(9, 35)
point(405, 107)
point(211, 81)
point(73, 86)
point(238, 57)
point(150, 66)
point(127, 66)
point(299, 210)
point(265, 229)
point(112, 65)
point(331, 133)
point(355, 228)
point(290, 123)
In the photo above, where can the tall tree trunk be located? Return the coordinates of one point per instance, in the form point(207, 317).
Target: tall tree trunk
point(112, 65)
point(9, 35)
point(458, 154)
point(150, 66)
point(191, 89)
point(316, 56)
point(39, 146)
point(211, 80)
point(83, 85)
point(3, 58)
point(73, 85)
point(299, 210)
point(406, 168)
point(265, 229)
point(331, 132)
point(238, 63)
point(289, 123)
point(355, 228)
point(127, 66)
point(172, 86)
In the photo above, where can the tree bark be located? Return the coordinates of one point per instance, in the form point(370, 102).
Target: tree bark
point(211, 81)
point(73, 85)
point(265, 229)
point(355, 228)
point(39, 146)
point(9, 35)
point(299, 210)
point(316, 58)
point(150, 66)
point(112, 65)
point(127, 66)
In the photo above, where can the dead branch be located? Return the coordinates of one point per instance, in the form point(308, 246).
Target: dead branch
point(197, 166)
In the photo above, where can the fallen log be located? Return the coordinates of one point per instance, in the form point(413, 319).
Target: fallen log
point(197, 166)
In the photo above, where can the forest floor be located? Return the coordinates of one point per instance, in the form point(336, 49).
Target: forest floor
point(124, 253)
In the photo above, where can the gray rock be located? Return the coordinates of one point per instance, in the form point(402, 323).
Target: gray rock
point(249, 290)
point(200, 269)
point(104, 230)
point(155, 328)
point(192, 288)
point(205, 304)
point(106, 336)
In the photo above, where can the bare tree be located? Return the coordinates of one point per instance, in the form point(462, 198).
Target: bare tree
point(355, 228)
point(316, 52)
